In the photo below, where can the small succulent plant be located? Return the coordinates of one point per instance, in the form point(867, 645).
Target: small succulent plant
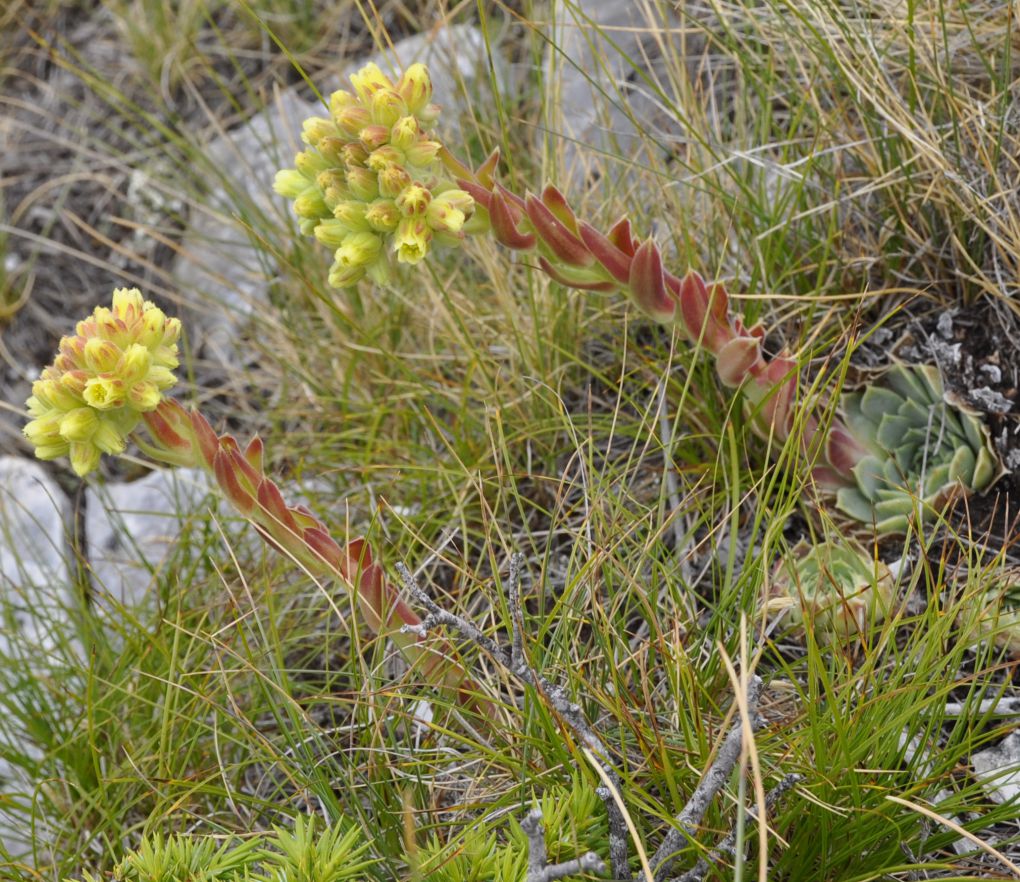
point(834, 587)
point(998, 619)
point(919, 451)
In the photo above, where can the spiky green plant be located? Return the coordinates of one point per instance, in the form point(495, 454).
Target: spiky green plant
point(919, 451)
point(833, 587)
point(181, 858)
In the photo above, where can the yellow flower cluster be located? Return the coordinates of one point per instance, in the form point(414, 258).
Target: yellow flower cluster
point(368, 185)
point(115, 368)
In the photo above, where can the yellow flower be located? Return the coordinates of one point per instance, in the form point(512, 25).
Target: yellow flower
point(112, 370)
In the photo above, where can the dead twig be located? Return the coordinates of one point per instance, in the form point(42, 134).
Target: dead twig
point(539, 870)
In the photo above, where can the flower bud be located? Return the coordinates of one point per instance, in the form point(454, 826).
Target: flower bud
point(384, 156)
point(311, 204)
point(332, 233)
point(79, 424)
point(374, 136)
point(134, 363)
point(405, 133)
point(345, 276)
point(353, 119)
point(448, 211)
point(331, 149)
point(358, 249)
point(101, 355)
point(354, 154)
point(44, 431)
point(144, 396)
point(352, 215)
point(340, 100)
point(163, 377)
point(412, 240)
point(383, 215)
point(387, 107)
point(315, 128)
point(369, 80)
point(392, 181)
point(310, 163)
point(423, 153)
point(84, 457)
point(290, 183)
point(363, 184)
point(127, 303)
point(415, 87)
point(429, 114)
point(414, 200)
point(107, 438)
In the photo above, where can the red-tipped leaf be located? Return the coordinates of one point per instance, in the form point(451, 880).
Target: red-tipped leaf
point(581, 279)
point(620, 235)
point(617, 263)
point(560, 241)
point(504, 225)
point(735, 360)
point(557, 203)
point(208, 440)
point(227, 478)
point(272, 503)
point(648, 285)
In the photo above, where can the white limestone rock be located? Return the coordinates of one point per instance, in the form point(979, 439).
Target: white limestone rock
point(218, 269)
point(998, 769)
point(601, 52)
point(130, 528)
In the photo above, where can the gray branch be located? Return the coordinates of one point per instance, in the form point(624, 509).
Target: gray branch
point(539, 870)
point(728, 846)
point(685, 823)
point(516, 663)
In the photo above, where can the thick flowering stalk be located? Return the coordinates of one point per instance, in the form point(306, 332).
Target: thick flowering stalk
point(369, 185)
point(109, 381)
point(576, 254)
point(846, 457)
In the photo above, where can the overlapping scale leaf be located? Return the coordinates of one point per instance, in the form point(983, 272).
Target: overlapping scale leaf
point(921, 450)
point(368, 185)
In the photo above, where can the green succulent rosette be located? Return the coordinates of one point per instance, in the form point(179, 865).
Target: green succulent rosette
point(368, 186)
point(998, 618)
point(835, 588)
point(920, 450)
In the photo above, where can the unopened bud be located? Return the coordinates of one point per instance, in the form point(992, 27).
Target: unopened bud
point(415, 87)
point(310, 204)
point(310, 162)
point(290, 183)
point(363, 184)
point(358, 249)
point(354, 154)
point(79, 424)
point(387, 107)
point(384, 156)
point(369, 80)
point(345, 276)
point(392, 181)
point(383, 215)
point(340, 100)
point(315, 128)
point(374, 136)
point(101, 355)
point(332, 233)
point(135, 363)
point(405, 133)
point(353, 119)
point(423, 153)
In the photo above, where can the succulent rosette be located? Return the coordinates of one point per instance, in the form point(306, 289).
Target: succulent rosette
point(919, 451)
point(114, 369)
point(998, 616)
point(834, 587)
point(369, 185)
